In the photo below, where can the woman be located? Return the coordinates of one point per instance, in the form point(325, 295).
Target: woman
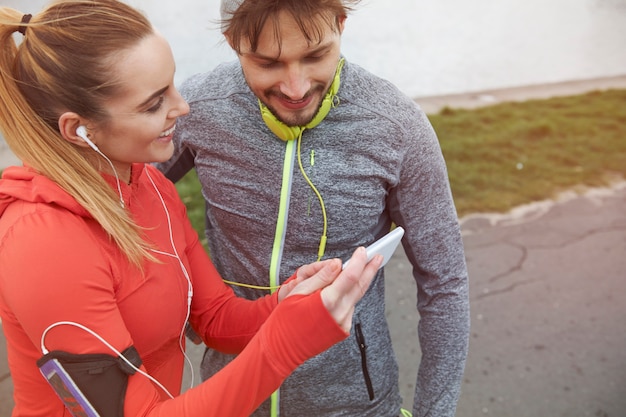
point(101, 269)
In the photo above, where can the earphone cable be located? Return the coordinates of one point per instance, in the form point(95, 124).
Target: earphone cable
point(182, 266)
point(189, 297)
point(107, 344)
point(322, 246)
point(117, 178)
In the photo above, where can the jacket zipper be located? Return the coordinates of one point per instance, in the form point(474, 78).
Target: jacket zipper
point(362, 348)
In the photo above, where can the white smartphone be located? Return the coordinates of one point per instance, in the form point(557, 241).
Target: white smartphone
point(385, 246)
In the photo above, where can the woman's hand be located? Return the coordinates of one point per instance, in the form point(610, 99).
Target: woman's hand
point(341, 296)
point(323, 272)
point(341, 289)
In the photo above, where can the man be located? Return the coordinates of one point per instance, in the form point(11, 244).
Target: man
point(301, 155)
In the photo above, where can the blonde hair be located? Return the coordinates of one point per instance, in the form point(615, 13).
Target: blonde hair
point(64, 63)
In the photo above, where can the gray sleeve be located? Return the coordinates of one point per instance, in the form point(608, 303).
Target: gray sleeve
point(183, 159)
point(181, 162)
point(422, 203)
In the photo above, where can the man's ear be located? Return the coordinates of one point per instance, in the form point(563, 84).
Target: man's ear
point(341, 23)
point(229, 41)
point(69, 123)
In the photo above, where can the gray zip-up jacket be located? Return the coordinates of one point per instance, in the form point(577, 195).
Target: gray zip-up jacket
point(375, 161)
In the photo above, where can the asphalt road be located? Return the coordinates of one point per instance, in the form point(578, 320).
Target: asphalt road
point(547, 285)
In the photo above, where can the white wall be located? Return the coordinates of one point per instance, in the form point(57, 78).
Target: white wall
point(434, 47)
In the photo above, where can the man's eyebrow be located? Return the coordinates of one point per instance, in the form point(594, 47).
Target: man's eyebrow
point(153, 96)
point(321, 48)
point(260, 56)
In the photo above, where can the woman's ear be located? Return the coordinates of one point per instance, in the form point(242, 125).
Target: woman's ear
point(69, 124)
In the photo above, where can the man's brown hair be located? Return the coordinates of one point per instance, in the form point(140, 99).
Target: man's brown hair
point(312, 16)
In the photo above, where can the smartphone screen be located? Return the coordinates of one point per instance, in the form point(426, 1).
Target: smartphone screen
point(66, 389)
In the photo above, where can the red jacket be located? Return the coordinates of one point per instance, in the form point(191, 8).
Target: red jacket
point(57, 264)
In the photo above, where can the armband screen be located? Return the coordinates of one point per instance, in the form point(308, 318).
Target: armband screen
point(90, 385)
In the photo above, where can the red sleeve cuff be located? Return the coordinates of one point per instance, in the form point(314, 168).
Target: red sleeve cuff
point(299, 329)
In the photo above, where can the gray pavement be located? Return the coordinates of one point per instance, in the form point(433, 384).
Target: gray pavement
point(547, 287)
point(547, 284)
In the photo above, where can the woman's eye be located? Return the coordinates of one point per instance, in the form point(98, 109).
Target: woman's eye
point(157, 106)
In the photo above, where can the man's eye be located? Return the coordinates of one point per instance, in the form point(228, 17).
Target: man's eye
point(314, 58)
point(269, 64)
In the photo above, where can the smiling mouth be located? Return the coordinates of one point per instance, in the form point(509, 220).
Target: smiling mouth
point(168, 132)
point(288, 100)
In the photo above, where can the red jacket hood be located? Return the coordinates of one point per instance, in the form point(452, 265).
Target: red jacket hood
point(23, 183)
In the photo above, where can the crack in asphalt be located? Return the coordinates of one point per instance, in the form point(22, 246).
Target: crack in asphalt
point(524, 256)
point(505, 289)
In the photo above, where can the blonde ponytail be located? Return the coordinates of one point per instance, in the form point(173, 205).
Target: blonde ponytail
point(39, 80)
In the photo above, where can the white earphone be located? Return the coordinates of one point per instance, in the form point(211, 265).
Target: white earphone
point(81, 131)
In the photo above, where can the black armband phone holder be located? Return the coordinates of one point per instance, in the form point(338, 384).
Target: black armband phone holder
point(90, 385)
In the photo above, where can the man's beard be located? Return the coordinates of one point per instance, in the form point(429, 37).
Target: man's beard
point(296, 118)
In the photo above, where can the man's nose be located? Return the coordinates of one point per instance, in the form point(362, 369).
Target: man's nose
point(296, 82)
